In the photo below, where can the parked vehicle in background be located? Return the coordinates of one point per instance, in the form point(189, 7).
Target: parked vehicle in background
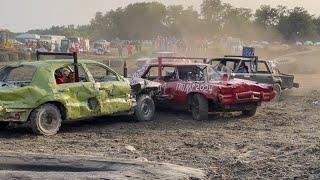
point(79, 44)
point(148, 60)
point(46, 46)
point(101, 47)
point(308, 43)
point(45, 93)
point(5, 41)
point(203, 88)
point(65, 45)
point(317, 43)
point(75, 44)
point(251, 68)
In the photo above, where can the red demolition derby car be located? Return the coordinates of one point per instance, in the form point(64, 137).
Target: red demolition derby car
point(203, 88)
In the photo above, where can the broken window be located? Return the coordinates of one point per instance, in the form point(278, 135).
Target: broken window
point(213, 75)
point(152, 74)
point(66, 74)
point(184, 72)
point(101, 74)
point(243, 67)
point(192, 73)
point(220, 65)
point(263, 68)
point(17, 76)
point(168, 73)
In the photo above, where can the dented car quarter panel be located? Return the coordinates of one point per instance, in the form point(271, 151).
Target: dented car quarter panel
point(112, 97)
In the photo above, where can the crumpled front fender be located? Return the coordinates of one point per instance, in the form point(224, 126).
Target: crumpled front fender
point(139, 85)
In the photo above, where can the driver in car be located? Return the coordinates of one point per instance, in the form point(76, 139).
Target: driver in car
point(243, 68)
point(64, 75)
point(196, 75)
point(221, 65)
point(59, 76)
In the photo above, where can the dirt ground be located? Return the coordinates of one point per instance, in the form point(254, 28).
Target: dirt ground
point(44, 166)
point(281, 141)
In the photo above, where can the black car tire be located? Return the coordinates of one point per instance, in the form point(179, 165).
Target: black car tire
point(145, 108)
point(277, 88)
point(199, 107)
point(250, 112)
point(3, 125)
point(45, 120)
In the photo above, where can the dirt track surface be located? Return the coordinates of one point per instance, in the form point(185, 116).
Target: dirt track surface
point(282, 140)
point(31, 166)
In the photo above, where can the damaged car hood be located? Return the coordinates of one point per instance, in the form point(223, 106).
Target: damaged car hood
point(143, 83)
point(138, 85)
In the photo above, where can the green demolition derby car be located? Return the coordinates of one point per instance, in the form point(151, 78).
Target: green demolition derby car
point(45, 93)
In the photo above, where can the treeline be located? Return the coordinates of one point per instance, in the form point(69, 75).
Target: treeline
point(70, 30)
point(148, 19)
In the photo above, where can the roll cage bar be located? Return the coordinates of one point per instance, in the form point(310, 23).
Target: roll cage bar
point(160, 61)
point(73, 55)
point(253, 59)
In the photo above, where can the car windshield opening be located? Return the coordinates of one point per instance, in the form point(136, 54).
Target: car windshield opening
point(17, 75)
point(215, 73)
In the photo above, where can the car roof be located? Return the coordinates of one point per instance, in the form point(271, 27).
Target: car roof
point(234, 58)
point(179, 64)
point(53, 62)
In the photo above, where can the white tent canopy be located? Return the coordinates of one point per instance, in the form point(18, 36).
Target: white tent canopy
point(28, 36)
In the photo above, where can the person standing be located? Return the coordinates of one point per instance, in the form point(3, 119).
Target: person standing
point(120, 49)
point(129, 49)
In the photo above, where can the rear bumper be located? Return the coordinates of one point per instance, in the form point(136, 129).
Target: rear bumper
point(246, 97)
point(14, 115)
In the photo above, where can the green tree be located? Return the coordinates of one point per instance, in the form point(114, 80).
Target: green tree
point(298, 25)
point(183, 22)
point(213, 12)
point(149, 19)
point(237, 21)
point(269, 17)
point(142, 20)
point(316, 22)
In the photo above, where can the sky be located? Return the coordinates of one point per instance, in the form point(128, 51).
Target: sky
point(23, 15)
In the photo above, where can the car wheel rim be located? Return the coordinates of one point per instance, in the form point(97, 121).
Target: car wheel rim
point(145, 108)
point(48, 121)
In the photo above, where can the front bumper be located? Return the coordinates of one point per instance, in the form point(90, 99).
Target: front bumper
point(246, 97)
